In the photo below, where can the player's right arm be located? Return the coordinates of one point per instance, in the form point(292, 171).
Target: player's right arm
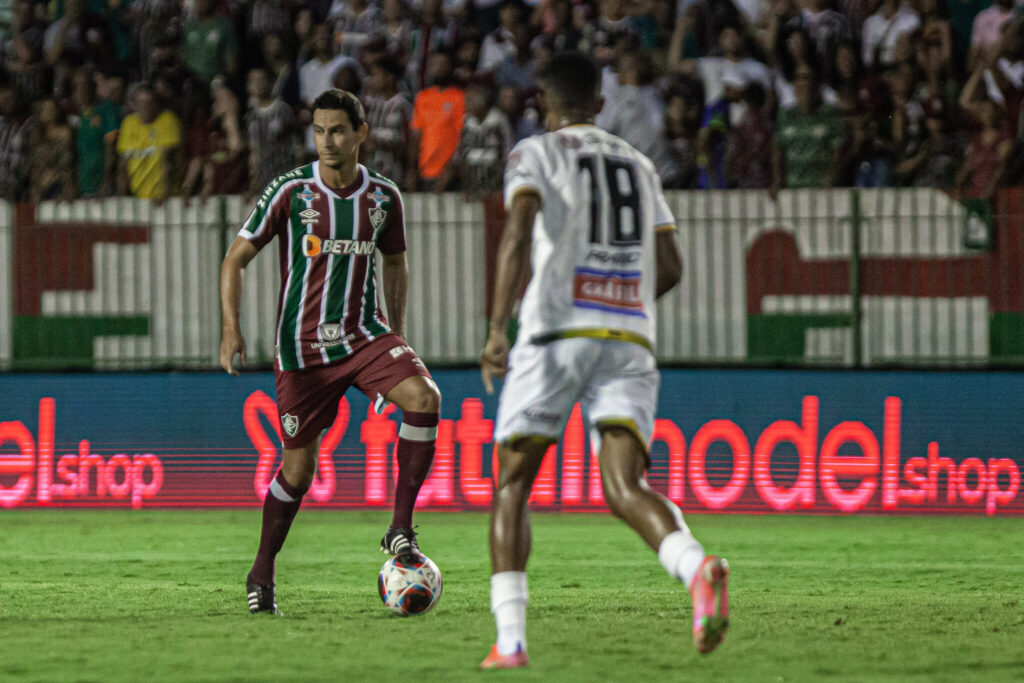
point(668, 261)
point(232, 271)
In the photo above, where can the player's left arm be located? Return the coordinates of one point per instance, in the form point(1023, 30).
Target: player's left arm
point(395, 273)
point(668, 260)
point(513, 271)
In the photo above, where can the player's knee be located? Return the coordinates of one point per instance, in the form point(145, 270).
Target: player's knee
point(426, 399)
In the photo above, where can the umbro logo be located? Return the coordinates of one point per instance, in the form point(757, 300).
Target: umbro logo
point(309, 216)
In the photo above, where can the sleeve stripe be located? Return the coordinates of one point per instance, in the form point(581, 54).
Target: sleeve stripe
point(264, 219)
point(664, 227)
point(520, 189)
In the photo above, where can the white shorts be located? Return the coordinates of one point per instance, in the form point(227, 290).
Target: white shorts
point(615, 381)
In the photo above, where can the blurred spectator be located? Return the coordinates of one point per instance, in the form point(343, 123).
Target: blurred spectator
point(602, 32)
point(989, 149)
point(432, 32)
point(271, 129)
point(78, 38)
point(478, 165)
point(388, 113)
point(354, 23)
point(907, 119)
point(937, 159)
point(210, 45)
point(156, 22)
point(96, 128)
point(883, 30)
point(937, 77)
point(961, 20)
point(692, 36)
point(396, 29)
point(526, 121)
point(637, 115)
point(748, 148)
point(798, 56)
point(558, 19)
point(865, 157)
point(716, 122)
point(734, 65)
point(807, 138)
point(683, 111)
point(467, 56)
point(22, 53)
point(51, 154)
point(111, 88)
point(347, 78)
point(15, 128)
point(303, 27)
point(148, 145)
point(500, 44)
point(281, 69)
point(826, 30)
point(438, 113)
point(317, 75)
point(517, 71)
point(266, 17)
point(226, 170)
point(936, 29)
point(986, 32)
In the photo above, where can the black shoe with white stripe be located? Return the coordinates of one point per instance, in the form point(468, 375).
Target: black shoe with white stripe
point(261, 598)
point(399, 541)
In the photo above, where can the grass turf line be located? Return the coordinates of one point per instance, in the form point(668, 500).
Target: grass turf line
point(159, 595)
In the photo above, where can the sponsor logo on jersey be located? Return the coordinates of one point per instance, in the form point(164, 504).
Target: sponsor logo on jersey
point(330, 331)
point(378, 197)
point(290, 423)
point(308, 195)
point(314, 246)
point(615, 291)
point(613, 256)
point(309, 216)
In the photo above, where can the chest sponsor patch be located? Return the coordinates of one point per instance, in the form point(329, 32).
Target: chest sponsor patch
point(615, 291)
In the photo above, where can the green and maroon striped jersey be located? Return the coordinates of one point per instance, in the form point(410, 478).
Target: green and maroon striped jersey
point(327, 238)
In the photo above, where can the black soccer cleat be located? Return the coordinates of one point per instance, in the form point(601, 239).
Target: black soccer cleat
point(261, 598)
point(399, 541)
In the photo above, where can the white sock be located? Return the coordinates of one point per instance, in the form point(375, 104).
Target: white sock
point(680, 554)
point(508, 604)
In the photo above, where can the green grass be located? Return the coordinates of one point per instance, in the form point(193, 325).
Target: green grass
point(158, 596)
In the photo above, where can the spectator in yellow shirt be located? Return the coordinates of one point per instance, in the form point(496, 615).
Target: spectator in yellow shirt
point(148, 147)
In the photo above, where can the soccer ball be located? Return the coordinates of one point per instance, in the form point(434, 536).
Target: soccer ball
point(409, 586)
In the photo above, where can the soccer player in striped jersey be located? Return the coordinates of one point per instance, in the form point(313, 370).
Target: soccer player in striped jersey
point(330, 218)
point(589, 228)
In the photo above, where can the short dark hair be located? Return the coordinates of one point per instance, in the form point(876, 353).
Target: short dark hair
point(573, 78)
point(343, 100)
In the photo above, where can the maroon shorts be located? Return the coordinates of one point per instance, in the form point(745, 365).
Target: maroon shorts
point(307, 400)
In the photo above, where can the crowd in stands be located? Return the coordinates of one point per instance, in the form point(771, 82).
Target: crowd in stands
point(159, 98)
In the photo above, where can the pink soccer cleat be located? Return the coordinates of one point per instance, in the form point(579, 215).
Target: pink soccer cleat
point(496, 660)
point(710, 594)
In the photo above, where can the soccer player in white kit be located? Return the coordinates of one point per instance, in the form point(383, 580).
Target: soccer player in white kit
point(587, 215)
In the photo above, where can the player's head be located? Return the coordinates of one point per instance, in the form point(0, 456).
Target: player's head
point(339, 127)
point(571, 83)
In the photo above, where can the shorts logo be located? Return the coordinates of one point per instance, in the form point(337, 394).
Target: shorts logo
point(309, 216)
point(400, 350)
point(290, 424)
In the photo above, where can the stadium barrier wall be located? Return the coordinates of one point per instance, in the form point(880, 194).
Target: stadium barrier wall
point(757, 441)
point(846, 278)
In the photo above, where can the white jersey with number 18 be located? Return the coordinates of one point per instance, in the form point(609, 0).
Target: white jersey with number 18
point(593, 254)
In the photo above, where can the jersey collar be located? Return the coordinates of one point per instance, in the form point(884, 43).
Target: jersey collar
point(329, 190)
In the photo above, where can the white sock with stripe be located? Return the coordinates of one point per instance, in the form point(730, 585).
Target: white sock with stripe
point(508, 604)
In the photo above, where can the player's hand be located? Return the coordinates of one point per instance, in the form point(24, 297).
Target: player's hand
point(494, 359)
point(231, 342)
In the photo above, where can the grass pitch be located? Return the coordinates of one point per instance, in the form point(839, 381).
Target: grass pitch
point(159, 596)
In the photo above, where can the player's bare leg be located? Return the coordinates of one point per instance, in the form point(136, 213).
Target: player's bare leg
point(420, 402)
point(284, 497)
point(660, 523)
point(510, 549)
